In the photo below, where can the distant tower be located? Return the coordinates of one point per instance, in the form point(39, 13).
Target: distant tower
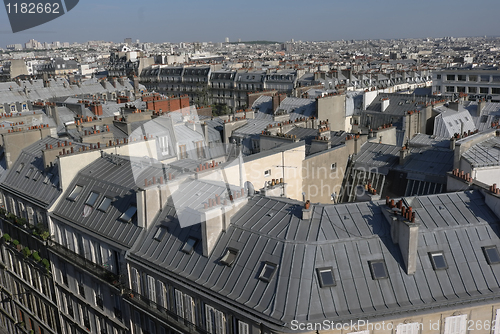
point(128, 41)
point(227, 39)
point(239, 40)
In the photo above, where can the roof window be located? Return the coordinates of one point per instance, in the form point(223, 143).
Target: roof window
point(438, 260)
point(491, 254)
point(105, 203)
point(268, 270)
point(92, 198)
point(326, 277)
point(160, 233)
point(75, 193)
point(229, 256)
point(189, 245)
point(378, 269)
point(127, 216)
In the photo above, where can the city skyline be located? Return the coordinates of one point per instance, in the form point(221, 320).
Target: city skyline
point(156, 22)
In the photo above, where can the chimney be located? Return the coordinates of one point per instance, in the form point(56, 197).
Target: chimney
point(452, 143)
point(480, 107)
point(404, 233)
point(204, 128)
point(96, 109)
point(453, 105)
point(403, 154)
point(307, 210)
point(276, 102)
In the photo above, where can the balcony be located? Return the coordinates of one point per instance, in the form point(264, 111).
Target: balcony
point(161, 312)
point(83, 263)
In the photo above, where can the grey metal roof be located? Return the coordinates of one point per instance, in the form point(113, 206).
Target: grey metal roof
point(34, 188)
point(344, 237)
point(428, 164)
point(298, 107)
point(450, 121)
point(423, 140)
point(114, 177)
point(379, 156)
point(486, 153)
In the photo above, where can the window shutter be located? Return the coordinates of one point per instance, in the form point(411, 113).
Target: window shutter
point(151, 289)
point(220, 322)
point(179, 305)
point(209, 317)
point(496, 324)
point(135, 284)
point(411, 328)
point(455, 324)
point(243, 328)
point(189, 305)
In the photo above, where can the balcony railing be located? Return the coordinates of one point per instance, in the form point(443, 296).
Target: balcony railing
point(86, 264)
point(160, 311)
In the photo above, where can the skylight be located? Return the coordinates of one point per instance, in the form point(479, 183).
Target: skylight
point(438, 260)
point(326, 277)
point(30, 171)
point(160, 233)
point(491, 254)
point(189, 245)
point(127, 216)
point(47, 178)
point(75, 192)
point(378, 269)
point(105, 203)
point(267, 272)
point(20, 167)
point(92, 198)
point(229, 256)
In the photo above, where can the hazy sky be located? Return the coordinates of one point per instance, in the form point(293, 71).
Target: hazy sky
point(277, 20)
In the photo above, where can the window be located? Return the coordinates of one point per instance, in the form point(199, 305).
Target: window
point(135, 280)
point(450, 77)
point(495, 90)
point(450, 89)
point(333, 166)
point(36, 175)
point(105, 203)
point(455, 324)
point(378, 269)
point(182, 152)
point(229, 256)
point(160, 233)
point(92, 198)
point(64, 275)
point(461, 77)
point(438, 260)
point(127, 216)
point(472, 89)
point(189, 245)
point(410, 328)
point(98, 295)
point(496, 328)
point(267, 173)
point(215, 320)
point(79, 282)
point(484, 90)
point(326, 277)
point(491, 254)
point(439, 77)
point(20, 168)
point(267, 273)
point(243, 327)
point(75, 193)
point(48, 177)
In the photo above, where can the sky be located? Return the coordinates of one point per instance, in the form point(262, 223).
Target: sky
point(275, 20)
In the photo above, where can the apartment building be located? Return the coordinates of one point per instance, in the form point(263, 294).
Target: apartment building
point(478, 83)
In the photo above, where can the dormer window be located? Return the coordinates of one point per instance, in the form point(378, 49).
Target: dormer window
point(229, 256)
point(267, 272)
point(48, 177)
point(189, 245)
point(30, 171)
point(75, 193)
point(127, 216)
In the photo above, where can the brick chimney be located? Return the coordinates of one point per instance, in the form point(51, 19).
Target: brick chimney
point(96, 109)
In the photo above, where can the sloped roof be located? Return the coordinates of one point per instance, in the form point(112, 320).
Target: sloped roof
point(344, 237)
